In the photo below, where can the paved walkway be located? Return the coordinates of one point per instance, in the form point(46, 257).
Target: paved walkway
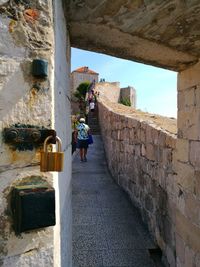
point(107, 229)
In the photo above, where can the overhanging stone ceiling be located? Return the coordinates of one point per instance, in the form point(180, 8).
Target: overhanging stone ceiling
point(163, 33)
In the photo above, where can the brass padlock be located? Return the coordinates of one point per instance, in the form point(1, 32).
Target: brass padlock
point(52, 161)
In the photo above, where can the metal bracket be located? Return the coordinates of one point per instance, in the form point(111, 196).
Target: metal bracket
point(27, 138)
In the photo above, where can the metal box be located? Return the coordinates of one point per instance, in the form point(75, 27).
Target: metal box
point(40, 68)
point(32, 207)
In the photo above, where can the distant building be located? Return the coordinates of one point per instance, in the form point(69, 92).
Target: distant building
point(83, 74)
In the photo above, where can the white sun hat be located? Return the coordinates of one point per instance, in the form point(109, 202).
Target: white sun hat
point(82, 120)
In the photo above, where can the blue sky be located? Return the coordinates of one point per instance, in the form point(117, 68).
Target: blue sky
point(156, 88)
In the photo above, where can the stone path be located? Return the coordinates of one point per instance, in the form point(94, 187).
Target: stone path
point(107, 229)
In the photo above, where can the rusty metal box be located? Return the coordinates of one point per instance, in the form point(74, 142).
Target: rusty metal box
point(32, 207)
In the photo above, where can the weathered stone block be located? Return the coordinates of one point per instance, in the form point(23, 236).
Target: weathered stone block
point(197, 260)
point(192, 208)
point(171, 203)
point(149, 134)
point(171, 256)
point(143, 133)
point(194, 152)
point(181, 100)
point(189, 77)
point(149, 203)
point(180, 200)
point(189, 257)
point(152, 169)
point(143, 150)
point(137, 150)
point(161, 197)
point(197, 183)
point(118, 135)
point(159, 154)
point(190, 97)
point(162, 138)
point(162, 178)
point(182, 150)
point(185, 176)
point(132, 136)
point(155, 134)
point(188, 231)
point(197, 96)
point(188, 124)
point(171, 141)
point(150, 152)
point(180, 249)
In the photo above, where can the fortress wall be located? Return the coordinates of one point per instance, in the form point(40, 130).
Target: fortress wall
point(129, 93)
point(188, 168)
point(109, 90)
point(140, 156)
point(29, 101)
point(23, 101)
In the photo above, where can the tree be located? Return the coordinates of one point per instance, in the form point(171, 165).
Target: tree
point(81, 91)
point(125, 101)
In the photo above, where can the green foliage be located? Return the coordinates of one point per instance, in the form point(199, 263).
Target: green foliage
point(125, 101)
point(81, 90)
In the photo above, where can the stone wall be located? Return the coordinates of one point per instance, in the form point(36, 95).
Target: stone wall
point(109, 90)
point(27, 32)
point(130, 94)
point(140, 151)
point(188, 169)
point(113, 92)
point(62, 125)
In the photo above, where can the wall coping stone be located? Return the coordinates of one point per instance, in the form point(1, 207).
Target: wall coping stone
point(164, 124)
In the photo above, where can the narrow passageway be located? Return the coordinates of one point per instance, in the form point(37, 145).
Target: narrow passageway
point(107, 229)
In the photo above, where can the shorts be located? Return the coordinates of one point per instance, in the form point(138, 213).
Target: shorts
point(83, 143)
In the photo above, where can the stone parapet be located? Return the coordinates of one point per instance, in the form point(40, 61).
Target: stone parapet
point(140, 155)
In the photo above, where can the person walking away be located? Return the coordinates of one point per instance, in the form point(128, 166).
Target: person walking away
point(82, 131)
point(92, 106)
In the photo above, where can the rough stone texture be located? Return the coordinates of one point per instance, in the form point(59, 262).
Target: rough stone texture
point(160, 33)
point(113, 92)
point(109, 90)
point(187, 214)
point(23, 101)
point(130, 94)
point(31, 258)
point(28, 100)
point(140, 158)
point(62, 125)
point(159, 172)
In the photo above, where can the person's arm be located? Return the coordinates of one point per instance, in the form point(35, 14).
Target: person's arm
point(89, 130)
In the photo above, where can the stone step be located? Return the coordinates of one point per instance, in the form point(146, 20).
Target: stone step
point(95, 124)
point(95, 132)
point(92, 119)
point(93, 129)
point(92, 126)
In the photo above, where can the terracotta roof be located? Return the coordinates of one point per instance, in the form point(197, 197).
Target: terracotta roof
point(85, 70)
